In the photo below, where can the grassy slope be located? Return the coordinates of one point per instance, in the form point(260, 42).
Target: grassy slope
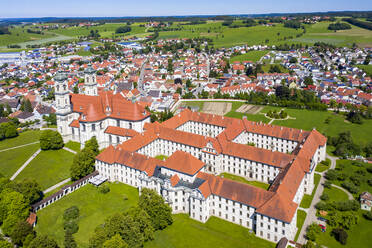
point(249, 56)
point(13, 159)
point(19, 35)
point(307, 199)
point(23, 138)
point(94, 208)
point(243, 180)
point(185, 232)
point(48, 168)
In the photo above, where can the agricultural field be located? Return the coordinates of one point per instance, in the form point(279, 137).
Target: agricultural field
point(94, 208)
point(253, 56)
point(186, 232)
point(48, 168)
point(319, 33)
point(20, 35)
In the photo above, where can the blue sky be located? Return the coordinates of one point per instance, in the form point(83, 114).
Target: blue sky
point(84, 8)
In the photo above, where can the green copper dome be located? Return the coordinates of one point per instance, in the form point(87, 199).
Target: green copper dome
point(60, 76)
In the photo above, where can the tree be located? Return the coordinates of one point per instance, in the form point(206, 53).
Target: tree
point(5, 244)
point(20, 231)
point(92, 145)
point(159, 212)
point(123, 29)
point(144, 222)
point(312, 231)
point(308, 81)
point(82, 165)
point(28, 106)
point(115, 242)
point(43, 241)
point(30, 189)
point(340, 235)
point(51, 140)
point(178, 81)
point(293, 60)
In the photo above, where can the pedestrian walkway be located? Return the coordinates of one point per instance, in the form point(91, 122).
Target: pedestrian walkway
point(15, 147)
point(69, 150)
point(56, 186)
point(25, 164)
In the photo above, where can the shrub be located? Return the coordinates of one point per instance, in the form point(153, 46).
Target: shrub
point(369, 169)
point(71, 213)
point(312, 231)
point(327, 184)
point(331, 175)
point(340, 235)
point(368, 215)
point(350, 187)
point(349, 205)
point(104, 189)
point(323, 206)
point(324, 197)
point(71, 226)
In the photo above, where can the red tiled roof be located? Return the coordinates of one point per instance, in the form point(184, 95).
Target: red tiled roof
point(124, 132)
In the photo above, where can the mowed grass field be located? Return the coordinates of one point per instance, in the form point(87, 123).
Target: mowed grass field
point(188, 233)
point(94, 208)
point(22, 139)
point(253, 56)
point(12, 160)
point(48, 168)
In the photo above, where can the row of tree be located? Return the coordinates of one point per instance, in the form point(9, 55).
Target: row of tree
point(135, 226)
point(359, 23)
point(346, 147)
point(339, 26)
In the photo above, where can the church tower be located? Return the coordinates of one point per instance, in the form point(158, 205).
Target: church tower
point(63, 104)
point(90, 84)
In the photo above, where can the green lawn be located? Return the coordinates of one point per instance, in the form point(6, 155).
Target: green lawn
point(161, 157)
point(335, 194)
point(301, 216)
point(249, 56)
point(49, 168)
point(243, 180)
point(23, 138)
point(13, 159)
point(307, 199)
point(323, 166)
point(73, 146)
point(19, 35)
point(349, 170)
point(187, 233)
point(359, 236)
point(94, 208)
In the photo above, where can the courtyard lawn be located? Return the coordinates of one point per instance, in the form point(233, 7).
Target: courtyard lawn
point(12, 160)
point(161, 157)
point(48, 168)
point(186, 232)
point(335, 194)
point(253, 56)
point(94, 208)
point(301, 216)
point(307, 199)
point(359, 236)
point(349, 170)
point(75, 146)
point(22, 139)
point(243, 180)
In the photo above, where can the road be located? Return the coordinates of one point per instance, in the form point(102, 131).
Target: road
point(311, 212)
point(140, 79)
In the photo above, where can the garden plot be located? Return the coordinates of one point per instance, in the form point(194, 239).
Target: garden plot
point(249, 109)
point(217, 108)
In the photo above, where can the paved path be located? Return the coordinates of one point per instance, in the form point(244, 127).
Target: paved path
point(311, 212)
point(15, 147)
point(351, 197)
point(25, 164)
point(69, 150)
point(57, 185)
